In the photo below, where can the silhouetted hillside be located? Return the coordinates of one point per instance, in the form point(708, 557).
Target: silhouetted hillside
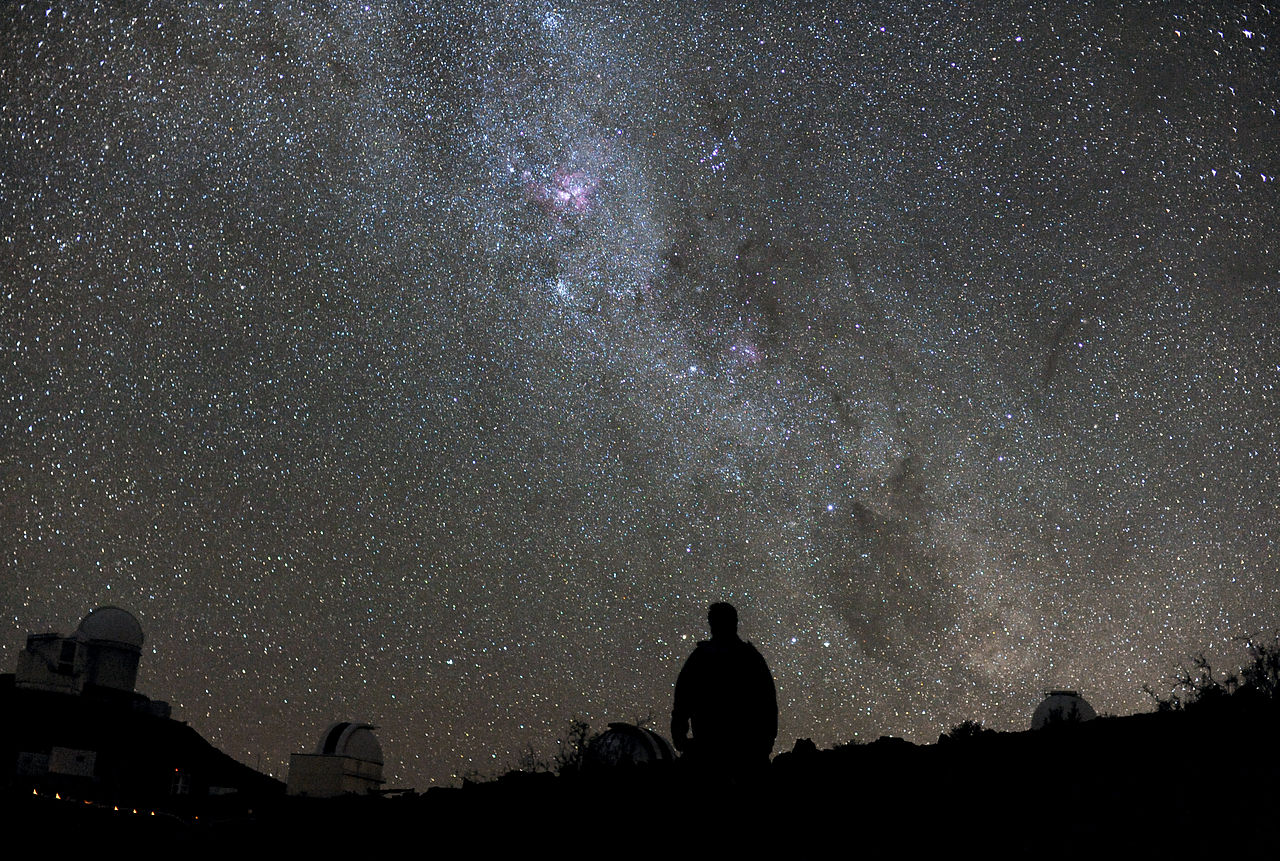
point(1208, 777)
point(112, 759)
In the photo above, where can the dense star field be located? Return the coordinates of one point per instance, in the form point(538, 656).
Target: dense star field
point(438, 367)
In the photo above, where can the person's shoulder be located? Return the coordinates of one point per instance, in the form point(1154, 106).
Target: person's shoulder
point(751, 649)
point(703, 647)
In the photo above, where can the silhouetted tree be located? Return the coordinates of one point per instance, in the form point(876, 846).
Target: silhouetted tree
point(573, 747)
point(1261, 676)
point(1200, 683)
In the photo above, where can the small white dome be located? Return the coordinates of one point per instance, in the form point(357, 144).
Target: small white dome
point(112, 625)
point(355, 740)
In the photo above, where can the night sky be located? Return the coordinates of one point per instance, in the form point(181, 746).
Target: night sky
point(437, 369)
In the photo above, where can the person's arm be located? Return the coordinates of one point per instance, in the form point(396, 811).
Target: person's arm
point(773, 703)
point(681, 705)
point(769, 699)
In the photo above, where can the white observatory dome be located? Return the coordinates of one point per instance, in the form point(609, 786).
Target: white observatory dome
point(355, 740)
point(112, 625)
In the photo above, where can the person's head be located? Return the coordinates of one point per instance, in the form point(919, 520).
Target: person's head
point(723, 620)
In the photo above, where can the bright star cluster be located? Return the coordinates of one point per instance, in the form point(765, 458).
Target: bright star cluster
point(436, 365)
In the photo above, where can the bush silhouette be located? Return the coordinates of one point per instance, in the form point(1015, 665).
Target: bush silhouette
point(1200, 684)
point(964, 731)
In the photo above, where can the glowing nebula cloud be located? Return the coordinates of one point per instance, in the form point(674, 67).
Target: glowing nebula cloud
point(567, 193)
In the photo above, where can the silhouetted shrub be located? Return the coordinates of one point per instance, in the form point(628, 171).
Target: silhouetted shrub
point(1199, 684)
point(964, 731)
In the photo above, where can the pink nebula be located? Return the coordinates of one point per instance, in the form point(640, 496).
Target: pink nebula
point(568, 193)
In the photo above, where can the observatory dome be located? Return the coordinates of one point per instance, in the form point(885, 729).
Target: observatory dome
point(112, 625)
point(1061, 707)
point(627, 744)
point(355, 740)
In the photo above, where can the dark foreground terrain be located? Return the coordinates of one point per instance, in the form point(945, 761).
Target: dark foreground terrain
point(1207, 778)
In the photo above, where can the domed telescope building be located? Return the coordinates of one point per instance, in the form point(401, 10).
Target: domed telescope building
point(625, 744)
point(1061, 707)
point(79, 729)
point(347, 761)
point(100, 657)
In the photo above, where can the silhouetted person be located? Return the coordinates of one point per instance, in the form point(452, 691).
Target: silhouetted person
point(725, 692)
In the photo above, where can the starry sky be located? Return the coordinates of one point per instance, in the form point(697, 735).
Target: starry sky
point(436, 365)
